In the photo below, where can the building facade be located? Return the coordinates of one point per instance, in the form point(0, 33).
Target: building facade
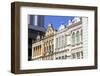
point(43, 48)
point(49, 43)
point(62, 43)
point(37, 48)
point(65, 43)
point(69, 40)
point(35, 26)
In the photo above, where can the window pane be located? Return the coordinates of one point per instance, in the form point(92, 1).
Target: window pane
point(73, 38)
point(77, 37)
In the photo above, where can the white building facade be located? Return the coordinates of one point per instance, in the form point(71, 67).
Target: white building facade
point(68, 40)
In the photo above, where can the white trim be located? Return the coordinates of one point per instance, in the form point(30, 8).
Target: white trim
point(25, 64)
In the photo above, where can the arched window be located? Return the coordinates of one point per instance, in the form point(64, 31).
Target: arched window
point(73, 38)
point(81, 35)
point(49, 48)
point(49, 42)
point(52, 47)
point(77, 37)
point(44, 49)
point(62, 41)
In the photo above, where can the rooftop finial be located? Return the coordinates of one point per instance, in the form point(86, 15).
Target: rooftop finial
point(38, 36)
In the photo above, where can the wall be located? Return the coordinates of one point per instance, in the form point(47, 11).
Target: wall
point(5, 35)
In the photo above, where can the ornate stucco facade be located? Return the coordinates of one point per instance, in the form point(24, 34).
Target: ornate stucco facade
point(65, 43)
point(44, 45)
point(49, 43)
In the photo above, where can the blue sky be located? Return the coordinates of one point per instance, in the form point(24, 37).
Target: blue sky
point(56, 21)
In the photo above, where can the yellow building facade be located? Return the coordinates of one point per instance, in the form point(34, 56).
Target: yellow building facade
point(48, 42)
point(42, 48)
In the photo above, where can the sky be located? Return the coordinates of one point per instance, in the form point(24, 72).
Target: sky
point(56, 21)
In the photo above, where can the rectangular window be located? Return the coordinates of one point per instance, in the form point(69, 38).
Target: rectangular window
point(62, 57)
point(78, 55)
point(59, 42)
point(65, 40)
point(73, 56)
point(52, 47)
point(62, 41)
point(56, 58)
point(82, 54)
point(56, 43)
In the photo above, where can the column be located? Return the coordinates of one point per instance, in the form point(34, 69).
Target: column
point(85, 37)
point(35, 20)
